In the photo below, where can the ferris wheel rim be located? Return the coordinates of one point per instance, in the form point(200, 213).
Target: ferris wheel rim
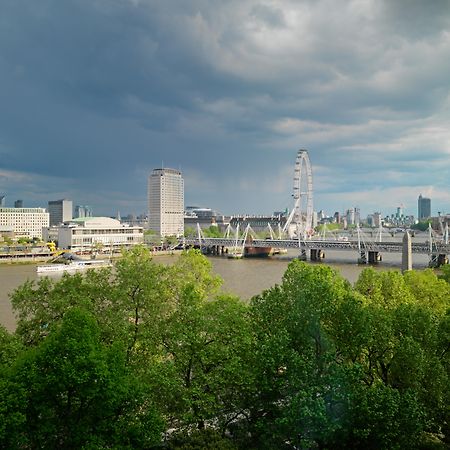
point(303, 218)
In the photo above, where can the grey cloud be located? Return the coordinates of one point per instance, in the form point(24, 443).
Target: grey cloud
point(99, 91)
point(269, 15)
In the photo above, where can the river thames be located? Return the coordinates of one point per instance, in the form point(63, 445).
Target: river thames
point(242, 277)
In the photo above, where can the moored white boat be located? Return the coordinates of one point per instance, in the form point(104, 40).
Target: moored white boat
point(73, 266)
point(237, 255)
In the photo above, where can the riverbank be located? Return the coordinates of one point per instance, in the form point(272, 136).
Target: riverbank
point(14, 260)
point(28, 259)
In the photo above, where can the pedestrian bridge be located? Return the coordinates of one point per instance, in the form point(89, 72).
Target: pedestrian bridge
point(367, 251)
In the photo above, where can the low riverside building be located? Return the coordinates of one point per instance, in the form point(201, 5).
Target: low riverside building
point(258, 223)
point(96, 233)
point(25, 222)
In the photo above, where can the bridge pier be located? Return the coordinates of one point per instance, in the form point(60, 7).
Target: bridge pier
point(302, 256)
point(214, 250)
point(362, 258)
point(374, 257)
point(406, 252)
point(317, 254)
point(437, 260)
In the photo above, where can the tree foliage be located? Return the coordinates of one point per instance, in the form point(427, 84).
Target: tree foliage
point(77, 392)
point(111, 358)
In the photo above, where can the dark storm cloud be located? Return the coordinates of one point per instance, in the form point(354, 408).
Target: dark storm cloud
point(97, 93)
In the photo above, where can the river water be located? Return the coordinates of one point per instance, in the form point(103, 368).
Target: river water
point(242, 277)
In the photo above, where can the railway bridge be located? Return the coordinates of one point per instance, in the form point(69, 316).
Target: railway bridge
point(366, 251)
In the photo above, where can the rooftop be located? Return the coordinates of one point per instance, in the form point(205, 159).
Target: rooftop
point(94, 222)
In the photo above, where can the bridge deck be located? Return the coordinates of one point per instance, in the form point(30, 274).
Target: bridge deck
point(382, 247)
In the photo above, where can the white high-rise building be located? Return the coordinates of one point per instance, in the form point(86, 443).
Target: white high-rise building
point(26, 222)
point(166, 202)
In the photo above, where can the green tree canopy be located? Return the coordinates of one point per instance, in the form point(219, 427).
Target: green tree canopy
point(76, 392)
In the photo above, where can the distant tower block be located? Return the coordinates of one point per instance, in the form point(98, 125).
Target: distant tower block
point(300, 221)
point(406, 253)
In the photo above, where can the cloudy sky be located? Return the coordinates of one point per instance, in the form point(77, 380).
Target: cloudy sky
point(96, 93)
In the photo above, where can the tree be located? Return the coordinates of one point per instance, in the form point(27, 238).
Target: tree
point(189, 232)
point(171, 241)
point(445, 273)
point(428, 290)
point(205, 439)
point(311, 363)
point(335, 367)
point(10, 347)
point(205, 346)
point(41, 305)
point(384, 418)
point(421, 226)
point(298, 384)
point(405, 350)
point(212, 231)
point(78, 393)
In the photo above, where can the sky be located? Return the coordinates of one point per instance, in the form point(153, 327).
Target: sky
point(94, 94)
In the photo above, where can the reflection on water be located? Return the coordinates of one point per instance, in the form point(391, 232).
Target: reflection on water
point(242, 277)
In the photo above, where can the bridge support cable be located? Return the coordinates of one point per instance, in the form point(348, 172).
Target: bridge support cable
point(227, 231)
point(247, 231)
point(437, 248)
point(430, 245)
point(369, 250)
point(380, 233)
point(236, 239)
point(200, 236)
point(271, 233)
point(362, 252)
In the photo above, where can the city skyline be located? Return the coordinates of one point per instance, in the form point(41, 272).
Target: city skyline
point(99, 93)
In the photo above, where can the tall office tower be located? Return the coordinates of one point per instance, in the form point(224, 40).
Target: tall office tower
point(424, 207)
point(83, 211)
point(357, 216)
point(350, 215)
point(60, 211)
point(377, 219)
point(2, 200)
point(18, 204)
point(166, 202)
